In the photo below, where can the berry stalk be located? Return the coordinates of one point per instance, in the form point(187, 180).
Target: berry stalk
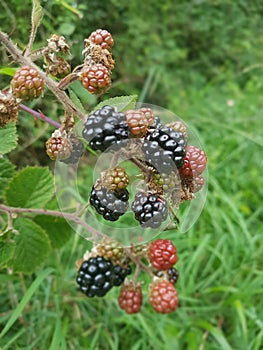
point(40, 115)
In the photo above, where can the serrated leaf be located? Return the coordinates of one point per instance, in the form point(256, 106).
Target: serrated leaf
point(31, 187)
point(8, 137)
point(8, 71)
point(86, 98)
point(57, 229)
point(122, 103)
point(32, 246)
point(6, 252)
point(6, 173)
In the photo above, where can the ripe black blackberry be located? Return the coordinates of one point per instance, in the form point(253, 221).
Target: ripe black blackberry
point(97, 276)
point(105, 128)
point(173, 275)
point(110, 204)
point(164, 149)
point(76, 153)
point(149, 209)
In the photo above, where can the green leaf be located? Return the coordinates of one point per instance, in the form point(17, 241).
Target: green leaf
point(57, 229)
point(123, 103)
point(8, 71)
point(31, 187)
point(26, 298)
point(32, 246)
point(37, 14)
point(76, 100)
point(6, 173)
point(6, 252)
point(8, 137)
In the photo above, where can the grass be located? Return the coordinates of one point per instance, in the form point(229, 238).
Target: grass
point(220, 257)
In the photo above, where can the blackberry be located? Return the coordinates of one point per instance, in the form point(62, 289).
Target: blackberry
point(8, 109)
point(162, 254)
point(110, 204)
point(149, 209)
point(163, 297)
point(27, 84)
point(178, 126)
point(164, 149)
point(115, 179)
point(58, 147)
point(156, 124)
point(130, 298)
point(95, 78)
point(103, 38)
point(173, 275)
point(138, 123)
point(111, 250)
point(77, 150)
point(106, 128)
point(148, 113)
point(96, 276)
point(194, 161)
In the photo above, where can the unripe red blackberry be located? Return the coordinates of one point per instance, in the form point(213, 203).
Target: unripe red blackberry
point(103, 38)
point(130, 298)
point(178, 126)
point(58, 146)
point(163, 296)
point(27, 84)
point(138, 123)
point(194, 161)
point(115, 179)
point(96, 78)
point(197, 183)
point(162, 254)
point(8, 109)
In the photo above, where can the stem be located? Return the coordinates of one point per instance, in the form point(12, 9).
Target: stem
point(139, 264)
point(52, 85)
point(71, 217)
point(40, 115)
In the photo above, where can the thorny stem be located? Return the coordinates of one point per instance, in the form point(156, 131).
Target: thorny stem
point(139, 264)
point(70, 216)
point(40, 116)
point(52, 85)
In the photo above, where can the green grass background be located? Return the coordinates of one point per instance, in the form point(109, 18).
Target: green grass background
point(216, 86)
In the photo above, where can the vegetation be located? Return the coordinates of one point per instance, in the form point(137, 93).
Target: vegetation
point(201, 60)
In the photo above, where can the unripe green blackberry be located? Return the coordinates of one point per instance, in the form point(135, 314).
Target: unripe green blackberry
point(167, 182)
point(96, 78)
point(8, 109)
point(138, 123)
point(58, 146)
point(27, 84)
point(115, 179)
point(178, 126)
point(110, 250)
point(103, 38)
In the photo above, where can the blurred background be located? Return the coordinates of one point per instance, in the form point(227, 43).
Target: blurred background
point(203, 60)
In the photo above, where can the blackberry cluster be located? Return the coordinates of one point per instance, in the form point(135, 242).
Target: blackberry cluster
point(164, 149)
point(96, 276)
point(106, 128)
point(110, 204)
point(149, 209)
